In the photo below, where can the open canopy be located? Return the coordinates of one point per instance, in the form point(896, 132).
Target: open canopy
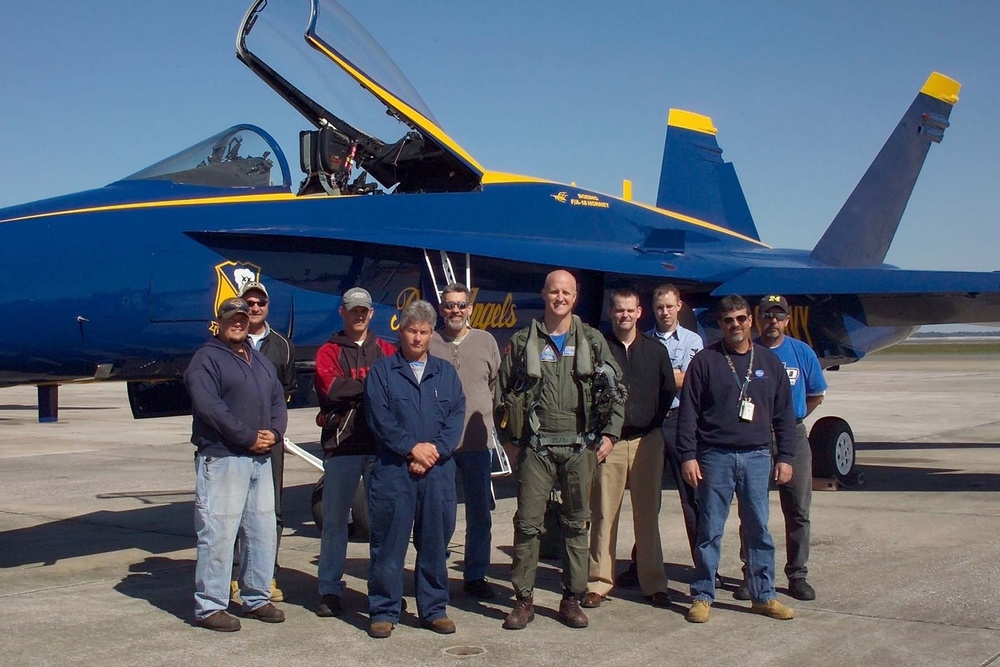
point(338, 77)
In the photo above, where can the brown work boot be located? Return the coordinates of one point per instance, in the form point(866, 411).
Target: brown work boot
point(220, 621)
point(699, 612)
point(571, 614)
point(277, 595)
point(773, 609)
point(442, 626)
point(380, 629)
point(267, 613)
point(522, 614)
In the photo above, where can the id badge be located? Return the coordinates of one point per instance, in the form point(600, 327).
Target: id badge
point(746, 410)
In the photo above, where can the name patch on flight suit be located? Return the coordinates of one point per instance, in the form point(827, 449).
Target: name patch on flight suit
point(569, 351)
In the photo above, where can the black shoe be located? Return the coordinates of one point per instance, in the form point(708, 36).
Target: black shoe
point(479, 588)
point(267, 613)
point(220, 621)
point(741, 592)
point(329, 606)
point(800, 589)
point(659, 599)
point(629, 578)
point(719, 582)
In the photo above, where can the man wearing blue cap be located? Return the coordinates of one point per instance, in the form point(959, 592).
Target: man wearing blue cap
point(239, 415)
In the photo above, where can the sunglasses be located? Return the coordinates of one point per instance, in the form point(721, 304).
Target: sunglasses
point(256, 302)
point(781, 317)
point(455, 305)
point(742, 319)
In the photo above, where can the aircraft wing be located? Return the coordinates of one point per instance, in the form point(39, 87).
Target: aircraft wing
point(314, 245)
point(891, 297)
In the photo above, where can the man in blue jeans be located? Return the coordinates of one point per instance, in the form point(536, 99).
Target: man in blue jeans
point(342, 364)
point(239, 415)
point(736, 393)
point(476, 357)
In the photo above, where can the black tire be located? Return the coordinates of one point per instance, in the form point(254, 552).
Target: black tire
point(359, 510)
point(317, 504)
point(834, 454)
point(360, 526)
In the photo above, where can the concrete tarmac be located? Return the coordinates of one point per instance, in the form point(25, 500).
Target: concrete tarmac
point(97, 550)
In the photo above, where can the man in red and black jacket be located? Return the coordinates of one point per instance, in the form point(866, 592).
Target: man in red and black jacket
point(342, 365)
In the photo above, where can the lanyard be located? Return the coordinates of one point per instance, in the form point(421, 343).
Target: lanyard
point(746, 381)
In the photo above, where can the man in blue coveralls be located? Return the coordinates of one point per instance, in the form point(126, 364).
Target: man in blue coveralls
point(416, 409)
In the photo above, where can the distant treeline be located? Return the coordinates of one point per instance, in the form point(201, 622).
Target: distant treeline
point(956, 334)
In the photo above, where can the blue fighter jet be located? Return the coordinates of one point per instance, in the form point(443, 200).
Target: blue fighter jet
point(391, 202)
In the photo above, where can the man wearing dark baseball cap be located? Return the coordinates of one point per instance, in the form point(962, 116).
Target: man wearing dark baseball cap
point(239, 414)
point(281, 352)
point(808, 389)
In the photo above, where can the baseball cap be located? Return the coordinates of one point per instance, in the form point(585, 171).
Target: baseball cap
point(773, 301)
point(356, 296)
point(231, 307)
point(253, 285)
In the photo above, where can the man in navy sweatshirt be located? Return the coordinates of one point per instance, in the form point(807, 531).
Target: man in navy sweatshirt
point(736, 393)
point(239, 414)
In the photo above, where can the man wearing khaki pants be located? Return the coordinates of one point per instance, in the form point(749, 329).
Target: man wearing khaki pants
point(636, 462)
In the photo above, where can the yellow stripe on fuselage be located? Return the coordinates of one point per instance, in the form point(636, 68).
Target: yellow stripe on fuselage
point(942, 88)
point(501, 178)
point(230, 199)
point(388, 98)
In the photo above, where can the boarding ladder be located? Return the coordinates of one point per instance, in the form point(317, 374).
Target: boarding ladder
point(447, 271)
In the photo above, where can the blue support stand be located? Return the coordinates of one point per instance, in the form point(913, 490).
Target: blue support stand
point(48, 403)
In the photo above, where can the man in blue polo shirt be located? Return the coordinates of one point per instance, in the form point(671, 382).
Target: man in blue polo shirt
point(808, 388)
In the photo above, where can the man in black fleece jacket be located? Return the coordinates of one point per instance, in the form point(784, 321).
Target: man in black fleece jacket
point(735, 393)
point(239, 414)
point(636, 461)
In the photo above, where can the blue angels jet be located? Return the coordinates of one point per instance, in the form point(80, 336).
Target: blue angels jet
point(120, 282)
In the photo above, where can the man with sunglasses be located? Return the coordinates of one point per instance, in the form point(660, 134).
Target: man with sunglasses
point(808, 389)
point(281, 352)
point(736, 393)
point(476, 357)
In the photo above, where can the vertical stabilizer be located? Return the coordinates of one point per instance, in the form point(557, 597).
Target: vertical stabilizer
point(861, 233)
point(696, 181)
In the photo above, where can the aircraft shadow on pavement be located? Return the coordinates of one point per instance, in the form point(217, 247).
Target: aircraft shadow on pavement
point(157, 529)
point(898, 473)
point(163, 524)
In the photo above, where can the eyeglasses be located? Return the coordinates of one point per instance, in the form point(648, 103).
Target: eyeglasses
point(742, 319)
point(256, 302)
point(781, 317)
point(455, 305)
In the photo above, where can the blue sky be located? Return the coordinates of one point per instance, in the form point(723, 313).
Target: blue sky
point(803, 95)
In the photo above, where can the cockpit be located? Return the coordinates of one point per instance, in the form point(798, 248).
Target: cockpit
point(334, 71)
point(330, 72)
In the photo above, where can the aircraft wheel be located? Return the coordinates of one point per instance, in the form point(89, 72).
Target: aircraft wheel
point(832, 443)
point(317, 504)
point(359, 526)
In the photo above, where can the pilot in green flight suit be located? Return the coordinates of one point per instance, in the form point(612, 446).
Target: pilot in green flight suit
point(563, 404)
